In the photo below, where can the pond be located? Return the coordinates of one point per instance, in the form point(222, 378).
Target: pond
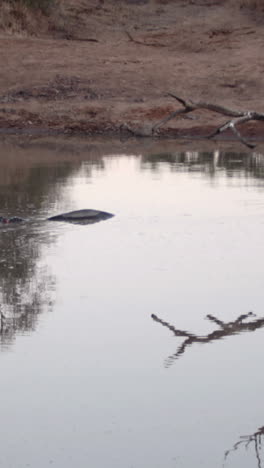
point(136, 341)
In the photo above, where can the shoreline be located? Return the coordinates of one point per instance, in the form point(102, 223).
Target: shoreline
point(253, 133)
point(121, 74)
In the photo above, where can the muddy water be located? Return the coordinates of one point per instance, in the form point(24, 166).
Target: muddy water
point(108, 357)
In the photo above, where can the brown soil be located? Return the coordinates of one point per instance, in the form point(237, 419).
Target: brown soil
point(98, 66)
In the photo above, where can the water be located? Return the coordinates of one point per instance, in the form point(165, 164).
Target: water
point(88, 377)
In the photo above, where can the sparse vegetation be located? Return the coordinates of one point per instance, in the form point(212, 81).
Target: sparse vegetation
point(44, 17)
point(26, 17)
point(43, 5)
point(77, 69)
point(253, 4)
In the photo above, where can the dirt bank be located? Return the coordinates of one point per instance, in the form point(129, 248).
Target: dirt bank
point(99, 65)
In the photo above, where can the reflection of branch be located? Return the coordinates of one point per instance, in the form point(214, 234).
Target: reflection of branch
point(2, 321)
point(246, 441)
point(226, 329)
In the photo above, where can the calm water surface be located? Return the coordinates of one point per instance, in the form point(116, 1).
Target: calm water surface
point(107, 356)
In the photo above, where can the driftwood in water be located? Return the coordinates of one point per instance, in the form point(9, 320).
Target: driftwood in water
point(226, 329)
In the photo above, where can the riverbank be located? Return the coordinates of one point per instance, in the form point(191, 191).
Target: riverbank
point(109, 67)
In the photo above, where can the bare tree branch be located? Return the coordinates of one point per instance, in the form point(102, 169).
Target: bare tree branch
point(232, 125)
point(238, 117)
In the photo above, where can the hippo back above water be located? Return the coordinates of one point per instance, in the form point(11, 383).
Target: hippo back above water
point(76, 217)
point(82, 216)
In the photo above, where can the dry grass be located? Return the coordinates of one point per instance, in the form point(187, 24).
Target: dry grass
point(19, 19)
point(72, 18)
point(251, 4)
point(42, 5)
point(28, 17)
point(53, 18)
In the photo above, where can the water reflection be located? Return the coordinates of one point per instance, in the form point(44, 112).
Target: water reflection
point(23, 300)
point(26, 282)
point(246, 441)
point(208, 162)
point(72, 400)
point(226, 329)
point(33, 174)
point(29, 187)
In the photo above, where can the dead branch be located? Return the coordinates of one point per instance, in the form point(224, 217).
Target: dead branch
point(238, 117)
point(2, 321)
